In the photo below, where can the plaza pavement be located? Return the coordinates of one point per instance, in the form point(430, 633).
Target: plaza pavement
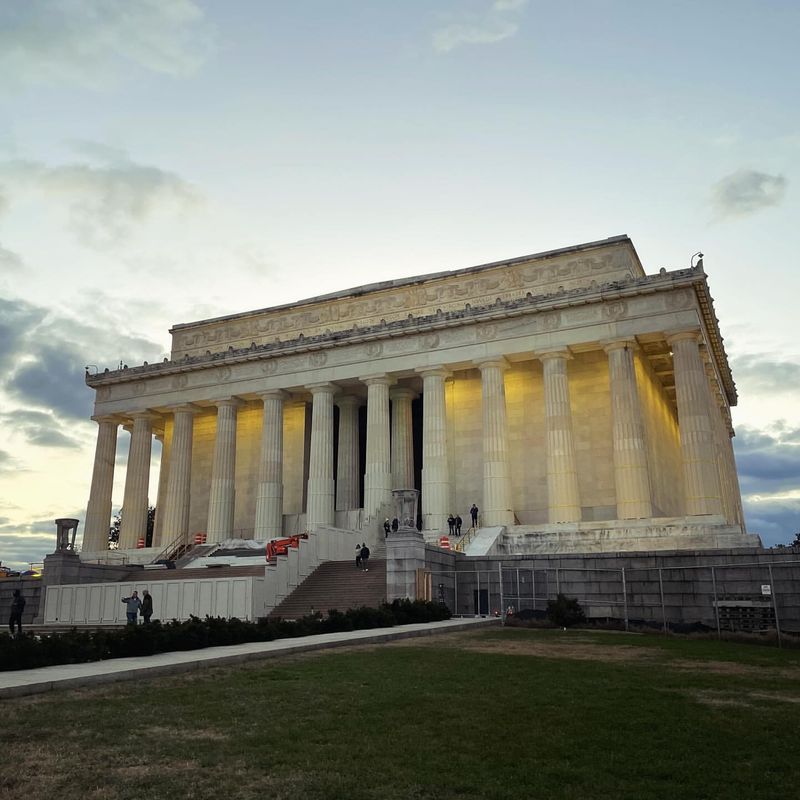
point(17, 683)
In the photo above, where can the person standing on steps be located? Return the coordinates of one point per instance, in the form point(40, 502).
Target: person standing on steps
point(474, 514)
point(133, 604)
point(386, 527)
point(17, 607)
point(147, 606)
point(459, 523)
point(358, 556)
point(365, 556)
point(395, 524)
point(451, 524)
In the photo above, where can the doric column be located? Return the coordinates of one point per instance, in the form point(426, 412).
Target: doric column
point(435, 469)
point(163, 476)
point(347, 484)
point(402, 438)
point(222, 496)
point(496, 503)
point(269, 493)
point(319, 510)
point(631, 476)
point(98, 512)
point(563, 500)
point(700, 476)
point(377, 468)
point(137, 480)
point(175, 513)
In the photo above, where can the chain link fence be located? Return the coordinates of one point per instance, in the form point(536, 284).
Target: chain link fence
point(749, 597)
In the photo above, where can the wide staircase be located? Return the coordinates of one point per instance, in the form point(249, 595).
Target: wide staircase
point(336, 584)
point(151, 575)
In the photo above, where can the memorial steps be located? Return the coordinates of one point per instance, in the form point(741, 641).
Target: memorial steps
point(336, 584)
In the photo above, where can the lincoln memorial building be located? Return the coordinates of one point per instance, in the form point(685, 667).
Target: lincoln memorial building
point(582, 404)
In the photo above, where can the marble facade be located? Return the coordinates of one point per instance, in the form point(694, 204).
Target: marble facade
point(566, 387)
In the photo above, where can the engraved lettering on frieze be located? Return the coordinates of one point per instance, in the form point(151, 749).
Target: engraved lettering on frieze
point(429, 341)
point(318, 359)
point(373, 349)
point(615, 309)
point(550, 320)
point(224, 373)
point(180, 381)
point(486, 331)
point(269, 367)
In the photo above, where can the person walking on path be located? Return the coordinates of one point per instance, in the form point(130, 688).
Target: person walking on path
point(358, 556)
point(365, 556)
point(451, 524)
point(474, 514)
point(459, 523)
point(17, 607)
point(133, 604)
point(395, 524)
point(147, 606)
point(386, 526)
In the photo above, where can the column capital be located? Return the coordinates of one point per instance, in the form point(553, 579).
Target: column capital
point(190, 408)
point(377, 379)
point(230, 402)
point(324, 387)
point(400, 392)
point(281, 394)
point(147, 416)
point(109, 418)
point(437, 371)
point(497, 361)
point(692, 334)
point(626, 343)
point(554, 353)
point(349, 401)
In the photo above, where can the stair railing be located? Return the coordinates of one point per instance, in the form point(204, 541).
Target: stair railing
point(175, 549)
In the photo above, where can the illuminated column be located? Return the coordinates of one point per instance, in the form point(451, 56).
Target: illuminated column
point(347, 488)
point(319, 510)
point(563, 500)
point(435, 469)
point(631, 476)
point(98, 512)
point(222, 495)
point(377, 469)
point(163, 476)
point(700, 476)
point(496, 501)
point(175, 513)
point(269, 497)
point(402, 438)
point(137, 480)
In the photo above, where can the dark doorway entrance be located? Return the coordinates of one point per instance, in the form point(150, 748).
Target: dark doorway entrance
point(481, 601)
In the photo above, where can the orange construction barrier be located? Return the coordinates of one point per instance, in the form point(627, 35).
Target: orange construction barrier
point(140, 543)
point(444, 542)
point(200, 538)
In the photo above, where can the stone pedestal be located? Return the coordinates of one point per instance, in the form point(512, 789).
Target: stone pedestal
point(405, 554)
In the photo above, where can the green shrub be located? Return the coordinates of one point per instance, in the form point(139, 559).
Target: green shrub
point(74, 647)
point(565, 611)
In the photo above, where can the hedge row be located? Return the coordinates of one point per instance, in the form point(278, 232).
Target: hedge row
point(79, 646)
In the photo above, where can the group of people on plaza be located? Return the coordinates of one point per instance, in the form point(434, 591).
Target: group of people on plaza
point(362, 557)
point(454, 523)
point(136, 605)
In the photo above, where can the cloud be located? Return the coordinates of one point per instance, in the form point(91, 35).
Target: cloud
point(92, 43)
point(497, 22)
point(10, 261)
point(762, 374)
point(39, 428)
point(42, 360)
point(105, 202)
point(775, 519)
point(746, 191)
point(768, 461)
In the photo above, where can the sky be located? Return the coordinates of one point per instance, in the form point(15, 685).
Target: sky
point(163, 161)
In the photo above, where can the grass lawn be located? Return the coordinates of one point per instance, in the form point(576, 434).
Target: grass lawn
point(511, 713)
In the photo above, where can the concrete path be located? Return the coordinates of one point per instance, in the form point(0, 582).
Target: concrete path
point(33, 681)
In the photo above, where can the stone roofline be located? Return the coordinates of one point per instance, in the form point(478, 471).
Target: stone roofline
point(359, 291)
point(693, 277)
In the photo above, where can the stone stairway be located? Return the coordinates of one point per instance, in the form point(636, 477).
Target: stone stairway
point(152, 575)
point(336, 584)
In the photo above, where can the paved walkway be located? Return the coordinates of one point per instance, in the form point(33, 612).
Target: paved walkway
point(67, 676)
